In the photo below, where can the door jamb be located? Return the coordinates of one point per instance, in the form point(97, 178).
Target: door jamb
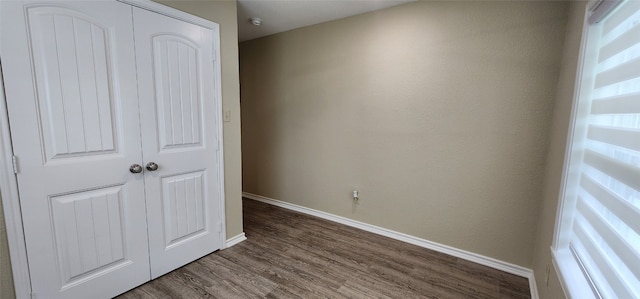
point(9, 182)
point(11, 205)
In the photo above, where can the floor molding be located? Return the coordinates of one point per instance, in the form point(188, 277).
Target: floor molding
point(234, 240)
point(459, 253)
point(533, 286)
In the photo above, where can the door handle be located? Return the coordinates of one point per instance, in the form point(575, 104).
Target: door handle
point(152, 166)
point(135, 168)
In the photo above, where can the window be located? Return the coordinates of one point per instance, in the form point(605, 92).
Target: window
point(597, 244)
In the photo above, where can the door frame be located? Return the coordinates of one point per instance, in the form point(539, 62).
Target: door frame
point(9, 182)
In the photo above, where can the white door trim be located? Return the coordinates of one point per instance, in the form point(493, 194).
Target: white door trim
point(11, 205)
point(9, 183)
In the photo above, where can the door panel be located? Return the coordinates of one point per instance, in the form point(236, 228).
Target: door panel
point(183, 207)
point(72, 66)
point(89, 230)
point(176, 93)
point(73, 110)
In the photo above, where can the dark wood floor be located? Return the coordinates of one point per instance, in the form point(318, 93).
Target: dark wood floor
point(292, 255)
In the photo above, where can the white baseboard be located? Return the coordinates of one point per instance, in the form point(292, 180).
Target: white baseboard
point(459, 253)
point(533, 286)
point(234, 240)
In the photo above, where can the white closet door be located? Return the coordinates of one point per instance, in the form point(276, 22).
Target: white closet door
point(179, 132)
point(69, 72)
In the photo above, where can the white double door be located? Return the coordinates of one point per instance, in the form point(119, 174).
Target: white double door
point(92, 88)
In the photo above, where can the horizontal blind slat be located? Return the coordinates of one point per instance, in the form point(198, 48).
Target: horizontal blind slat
point(620, 171)
point(626, 10)
point(621, 43)
point(622, 208)
point(621, 248)
point(620, 73)
point(580, 229)
point(623, 137)
point(622, 104)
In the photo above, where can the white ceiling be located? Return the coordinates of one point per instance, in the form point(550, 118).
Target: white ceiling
point(283, 15)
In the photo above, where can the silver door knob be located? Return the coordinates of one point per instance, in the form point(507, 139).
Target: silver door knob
point(135, 168)
point(152, 166)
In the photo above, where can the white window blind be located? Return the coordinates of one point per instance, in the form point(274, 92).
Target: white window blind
point(600, 212)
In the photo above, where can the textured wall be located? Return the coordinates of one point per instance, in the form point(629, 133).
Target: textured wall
point(555, 156)
point(438, 112)
point(224, 13)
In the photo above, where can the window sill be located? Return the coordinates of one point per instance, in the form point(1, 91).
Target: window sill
point(572, 279)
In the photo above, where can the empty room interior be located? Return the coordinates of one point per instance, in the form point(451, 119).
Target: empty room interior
point(334, 149)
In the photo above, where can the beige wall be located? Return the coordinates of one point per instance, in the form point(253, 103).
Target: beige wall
point(555, 156)
point(223, 13)
point(438, 112)
point(6, 279)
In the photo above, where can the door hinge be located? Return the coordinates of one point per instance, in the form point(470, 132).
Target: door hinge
point(14, 160)
point(219, 227)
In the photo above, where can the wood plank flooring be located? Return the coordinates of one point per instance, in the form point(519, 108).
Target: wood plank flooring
point(292, 255)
